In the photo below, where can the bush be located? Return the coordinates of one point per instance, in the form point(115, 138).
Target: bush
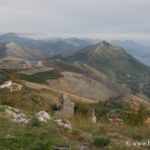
point(132, 117)
point(86, 137)
point(81, 108)
point(112, 106)
point(101, 141)
point(35, 122)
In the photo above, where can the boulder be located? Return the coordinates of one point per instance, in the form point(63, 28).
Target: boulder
point(93, 119)
point(83, 147)
point(63, 124)
point(11, 108)
point(13, 87)
point(43, 116)
point(67, 108)
point(15, 116)
point(6, 84)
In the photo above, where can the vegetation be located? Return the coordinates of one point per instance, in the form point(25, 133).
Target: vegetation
point(116, 64)
point(41, 77)
point(16, 137)
point(135, 118)
point(101, 141)
point(6, 75)
point(105, 109)
point(36, 135)
point(81, 109)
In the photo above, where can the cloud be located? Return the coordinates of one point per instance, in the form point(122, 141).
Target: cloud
point(87, 17)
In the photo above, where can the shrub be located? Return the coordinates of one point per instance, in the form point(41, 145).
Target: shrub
point(132, 117)
point(35, 122)
point(101, 141)
point(112, 106)
point(85, 136)
point(81, 108)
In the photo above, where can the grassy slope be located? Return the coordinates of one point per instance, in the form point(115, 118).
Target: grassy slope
point(115, 62)
point(41, 77)
point(44, 136)
point(37, 136)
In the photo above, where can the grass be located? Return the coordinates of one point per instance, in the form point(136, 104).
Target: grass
point(17, 137)
point(29, 100)
point(101, 141)
point(37, 136)
point(41, 77)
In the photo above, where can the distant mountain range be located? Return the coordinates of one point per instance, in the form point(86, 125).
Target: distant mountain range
point(55, 46)
point(109, 59)
point(13, 50)
point(49, 47)
point(137, 50)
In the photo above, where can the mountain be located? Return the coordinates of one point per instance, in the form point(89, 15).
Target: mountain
point(141, 52)
point(78, 78)
point(116, 63)
point(51, 46)
point(13, 50)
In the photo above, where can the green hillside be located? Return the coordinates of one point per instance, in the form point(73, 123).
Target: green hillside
point(115, 62)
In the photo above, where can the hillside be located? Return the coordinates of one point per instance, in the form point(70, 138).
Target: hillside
point(120, 116)
point(141, 52)
point(14, 50)
point(116, 63)
point(36, 134)
point(49, 47)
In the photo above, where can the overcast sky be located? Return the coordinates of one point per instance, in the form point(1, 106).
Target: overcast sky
point(104, 19)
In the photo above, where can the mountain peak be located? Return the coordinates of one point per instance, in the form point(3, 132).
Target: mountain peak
point(104, 43)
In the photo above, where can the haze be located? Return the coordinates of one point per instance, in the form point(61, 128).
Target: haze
point(105, 19)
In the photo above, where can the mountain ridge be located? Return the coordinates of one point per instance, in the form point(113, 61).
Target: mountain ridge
point(116, 63)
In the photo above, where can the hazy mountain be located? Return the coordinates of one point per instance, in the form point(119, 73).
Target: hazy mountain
point(11, 49)
point(51, 46)
point(108, 57)
point(115, 62)
point(137, 50)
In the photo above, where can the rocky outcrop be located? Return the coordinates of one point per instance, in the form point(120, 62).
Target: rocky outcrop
point(63, 124)
point(15, 115)
point(7, 84)
point(67, 108)
point(43, 116)
point(83, 147)
point(13, 87)
point(93, 119)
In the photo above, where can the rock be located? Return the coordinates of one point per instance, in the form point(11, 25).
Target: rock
point(6, 84)
point(11, 113)
point(43, 116)
point(67, 108)
point(11, 108)
point(94, 119)
point(63, 124)
point(83, 147)
point(61, 148)
point(116, 121)
point(13, 87)
point(16, 117)
point(20, 120)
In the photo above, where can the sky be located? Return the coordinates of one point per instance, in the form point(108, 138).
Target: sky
point(103, 19)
